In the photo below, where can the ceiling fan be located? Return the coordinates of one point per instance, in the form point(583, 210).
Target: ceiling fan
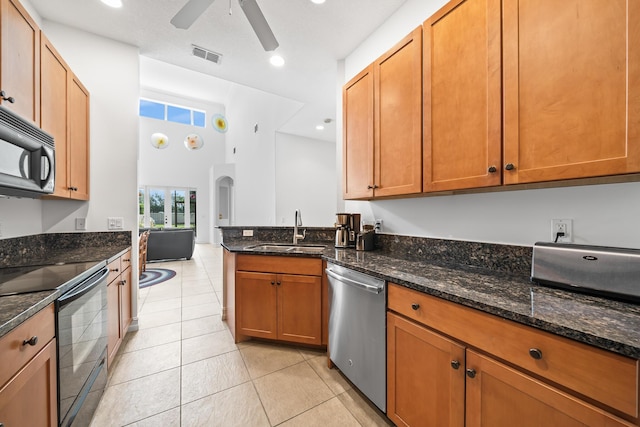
point(194, 8)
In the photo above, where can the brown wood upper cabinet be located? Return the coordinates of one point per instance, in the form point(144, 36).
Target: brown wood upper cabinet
point(382, 129)
point(65, 115)
point(462, 96)
point(571, 89)
point(19, 60)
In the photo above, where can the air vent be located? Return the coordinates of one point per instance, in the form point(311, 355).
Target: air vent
point(209, 55)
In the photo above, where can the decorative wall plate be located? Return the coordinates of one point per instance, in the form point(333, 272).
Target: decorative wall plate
point(193, 141)
point(219, 123)
point(159, 140)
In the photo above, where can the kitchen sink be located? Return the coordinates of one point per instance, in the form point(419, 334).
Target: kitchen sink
point(286, 248)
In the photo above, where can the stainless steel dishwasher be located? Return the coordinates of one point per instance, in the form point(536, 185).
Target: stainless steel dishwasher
point(357, 330)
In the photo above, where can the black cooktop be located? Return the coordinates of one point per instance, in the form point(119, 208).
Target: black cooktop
point(22, 280)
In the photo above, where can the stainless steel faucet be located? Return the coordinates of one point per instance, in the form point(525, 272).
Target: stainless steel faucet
point(298, 223)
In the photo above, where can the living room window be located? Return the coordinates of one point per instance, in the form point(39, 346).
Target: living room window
point(167, 207)
point(171, 112)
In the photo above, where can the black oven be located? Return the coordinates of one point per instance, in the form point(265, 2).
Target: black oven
point(27, 157)
point(81, 329)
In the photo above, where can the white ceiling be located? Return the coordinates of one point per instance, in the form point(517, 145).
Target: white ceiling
point(312, 39)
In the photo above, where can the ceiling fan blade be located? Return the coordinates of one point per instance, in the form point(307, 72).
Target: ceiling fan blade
point(189, 13)
point(259, 23)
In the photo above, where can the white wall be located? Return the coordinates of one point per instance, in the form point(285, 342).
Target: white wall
point(175, 166)
point(602, 214)
point(254, 157)
point(305, 180)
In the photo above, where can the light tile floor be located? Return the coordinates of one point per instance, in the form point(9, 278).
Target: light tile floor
point(182, 367)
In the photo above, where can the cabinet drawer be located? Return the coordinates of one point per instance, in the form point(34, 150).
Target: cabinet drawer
point(114, 270)
point(606, 377)
point(14, 353)
point(125, 261)
point(280, 264)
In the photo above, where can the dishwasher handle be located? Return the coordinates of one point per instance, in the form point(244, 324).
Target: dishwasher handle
point(364, 286)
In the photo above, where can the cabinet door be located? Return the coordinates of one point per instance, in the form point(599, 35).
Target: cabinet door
point(113, 320)
point(256, 304)
point(462, 96)
point(571, 89)
point(357, 153)
point(125, 301)
point(78, 140)
point(20, 61)
point(425, 376)
point(30, 398)
point(498, 396)
point(53, 109)
point(398, 118)
point(300, 309)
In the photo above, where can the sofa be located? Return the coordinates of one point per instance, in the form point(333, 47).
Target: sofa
point(170, 243)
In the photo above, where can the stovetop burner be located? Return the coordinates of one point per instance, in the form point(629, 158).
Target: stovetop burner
point(22, 280)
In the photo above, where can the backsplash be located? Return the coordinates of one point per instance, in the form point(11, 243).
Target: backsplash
point(42, 248)
point(490, 256)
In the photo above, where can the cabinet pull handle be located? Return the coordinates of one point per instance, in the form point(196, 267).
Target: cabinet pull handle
point(126, 260)
point(115, 270)
point(492, 169)
point(273, 283)
point(455, 364)
point(372, 187)
point(11, 100)
point(536, 353)
point(415, 306)
point(471, 373)
point(278, 283)
point(510, 166)
point(123, 282)
point(31, 341)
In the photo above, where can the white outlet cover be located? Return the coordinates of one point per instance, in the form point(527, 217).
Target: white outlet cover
point(568, 226)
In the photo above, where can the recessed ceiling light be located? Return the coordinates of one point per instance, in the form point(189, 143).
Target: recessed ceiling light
point(317, 1)
point(319, 127)
point(112, 3)
point(277, 61)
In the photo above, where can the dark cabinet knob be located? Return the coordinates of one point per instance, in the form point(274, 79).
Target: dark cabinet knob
point(115, 270)
point(471, 373)
point(123, 282)
point(509, 166)
point(455, 364)
point(278, 283)
point(126, 260)
point(273, 282)
point(10, 99)
point(372, 187)
point(31, 341)
point(492, 169)
point(536, 353)
point(415, 306)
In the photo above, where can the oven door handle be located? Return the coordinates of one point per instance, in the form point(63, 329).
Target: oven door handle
point(83, 288)
point(364, 286)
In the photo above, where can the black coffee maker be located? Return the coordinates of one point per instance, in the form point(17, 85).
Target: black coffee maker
point(347, 229)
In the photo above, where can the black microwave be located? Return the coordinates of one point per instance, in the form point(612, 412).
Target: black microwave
point(27, 157)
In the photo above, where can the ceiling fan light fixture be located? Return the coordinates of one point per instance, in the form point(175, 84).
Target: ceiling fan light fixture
point(112, 3)
point(276, 60)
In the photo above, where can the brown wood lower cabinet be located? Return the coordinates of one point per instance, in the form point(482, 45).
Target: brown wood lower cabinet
point(28, 374)
point(279, 298)
point(118, 303)
point(449, 365)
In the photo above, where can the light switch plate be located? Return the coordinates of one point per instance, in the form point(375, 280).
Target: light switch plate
point(115, 223)
point(247, 233)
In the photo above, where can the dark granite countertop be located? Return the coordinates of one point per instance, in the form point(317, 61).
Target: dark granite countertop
point(15, 309)
point(604, 323)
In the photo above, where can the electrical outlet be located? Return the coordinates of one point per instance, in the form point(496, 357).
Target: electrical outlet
point(378, 225)
point(115, 223)
point(563, 226)
point(81, 223)
point(247, 233)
